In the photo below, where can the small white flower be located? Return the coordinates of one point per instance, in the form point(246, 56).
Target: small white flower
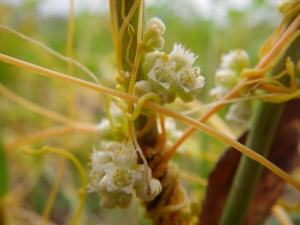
point(163, 73)
point(122, 153)
point(118, 179)
point(227, 78)
point(182, 57)
point(95, 178)
point(190, 80)
point(235, 60)
point(150, 59)
point(99, 159)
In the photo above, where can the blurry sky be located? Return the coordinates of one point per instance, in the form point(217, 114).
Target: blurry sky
point(204, 8)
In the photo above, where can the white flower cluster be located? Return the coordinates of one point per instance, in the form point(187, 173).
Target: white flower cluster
point(115, 175)
point(226, 78)
point(171, 75)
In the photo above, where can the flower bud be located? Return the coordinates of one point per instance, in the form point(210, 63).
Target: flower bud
point(155, 187)
point(152, 36)
point(236, 60)
point(226, 78)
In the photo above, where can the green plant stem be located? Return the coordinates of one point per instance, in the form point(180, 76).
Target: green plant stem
point(248, 173)
point(260, 138)
point(128, 53)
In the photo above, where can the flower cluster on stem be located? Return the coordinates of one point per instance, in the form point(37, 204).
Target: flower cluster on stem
point(171, 75)
point(226, 77)
point(116, 175)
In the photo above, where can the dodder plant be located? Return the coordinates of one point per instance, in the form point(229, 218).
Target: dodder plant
point(133, 157)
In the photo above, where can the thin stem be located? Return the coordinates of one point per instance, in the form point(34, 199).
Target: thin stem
point(52, 52)
point(279, 44)
point(34, 107)
point(54, 189)
point(71, 94)
point(203, 118)
point(138, 54)
point(281, 215)
point(70, 37)
point(120, 42)
point(71, 157)
point(158, 108)
point(63, 77)
point(55, 131)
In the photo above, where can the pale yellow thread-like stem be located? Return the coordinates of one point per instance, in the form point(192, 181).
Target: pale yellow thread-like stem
point(54, 131)
point(34, 107)
point(139, 106)
point(82, 192)
point(52, 52)
point(155, 107)
point(281, 215)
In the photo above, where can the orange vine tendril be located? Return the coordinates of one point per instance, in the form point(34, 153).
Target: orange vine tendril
point(155, 107)
point(267, 58)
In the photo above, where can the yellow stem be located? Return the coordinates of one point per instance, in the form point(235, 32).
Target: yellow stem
point(55, 131)
point(122, 31)
point(281, 215)
point(82, 192)
point(263, 63)
point(52, 52)
point(34, 107)
point(158, 108)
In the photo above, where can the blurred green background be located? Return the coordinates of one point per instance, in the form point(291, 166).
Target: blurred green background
point(209, 30)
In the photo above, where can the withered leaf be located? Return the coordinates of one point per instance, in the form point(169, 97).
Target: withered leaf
point(284, 153)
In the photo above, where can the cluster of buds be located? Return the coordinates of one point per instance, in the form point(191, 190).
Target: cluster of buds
point(152, 38)
point(171, 75)
point(115, 175)
point(227, 76)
